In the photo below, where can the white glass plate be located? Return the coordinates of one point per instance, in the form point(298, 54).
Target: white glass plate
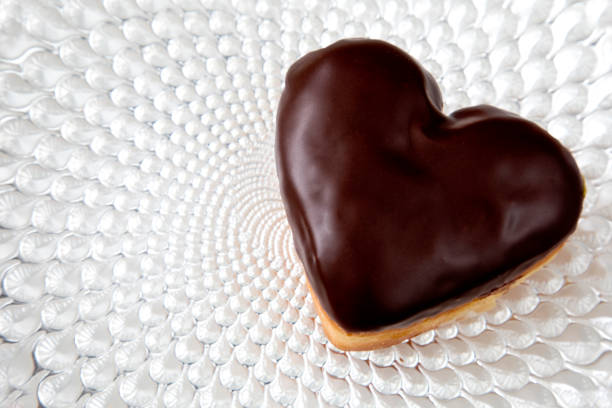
point(145, 257)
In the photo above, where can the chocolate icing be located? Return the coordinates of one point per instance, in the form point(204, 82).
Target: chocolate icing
point(398, 211)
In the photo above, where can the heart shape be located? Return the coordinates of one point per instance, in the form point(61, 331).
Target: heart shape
point(399, 212)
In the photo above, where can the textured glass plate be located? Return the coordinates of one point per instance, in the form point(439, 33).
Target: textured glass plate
point(145, 258)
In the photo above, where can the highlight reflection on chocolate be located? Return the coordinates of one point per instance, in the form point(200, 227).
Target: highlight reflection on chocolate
point(400, 212)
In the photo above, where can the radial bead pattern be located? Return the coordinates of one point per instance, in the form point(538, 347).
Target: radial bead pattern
point(145, 257)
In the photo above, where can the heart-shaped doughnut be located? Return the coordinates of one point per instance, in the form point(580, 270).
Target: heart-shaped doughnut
point(405, 218)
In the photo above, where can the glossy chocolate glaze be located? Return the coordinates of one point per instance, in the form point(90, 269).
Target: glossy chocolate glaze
point(399, 212)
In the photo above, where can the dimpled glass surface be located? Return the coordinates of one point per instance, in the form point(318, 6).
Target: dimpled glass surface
point(145, 257)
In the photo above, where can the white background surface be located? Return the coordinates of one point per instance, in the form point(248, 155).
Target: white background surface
point(145, 257)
